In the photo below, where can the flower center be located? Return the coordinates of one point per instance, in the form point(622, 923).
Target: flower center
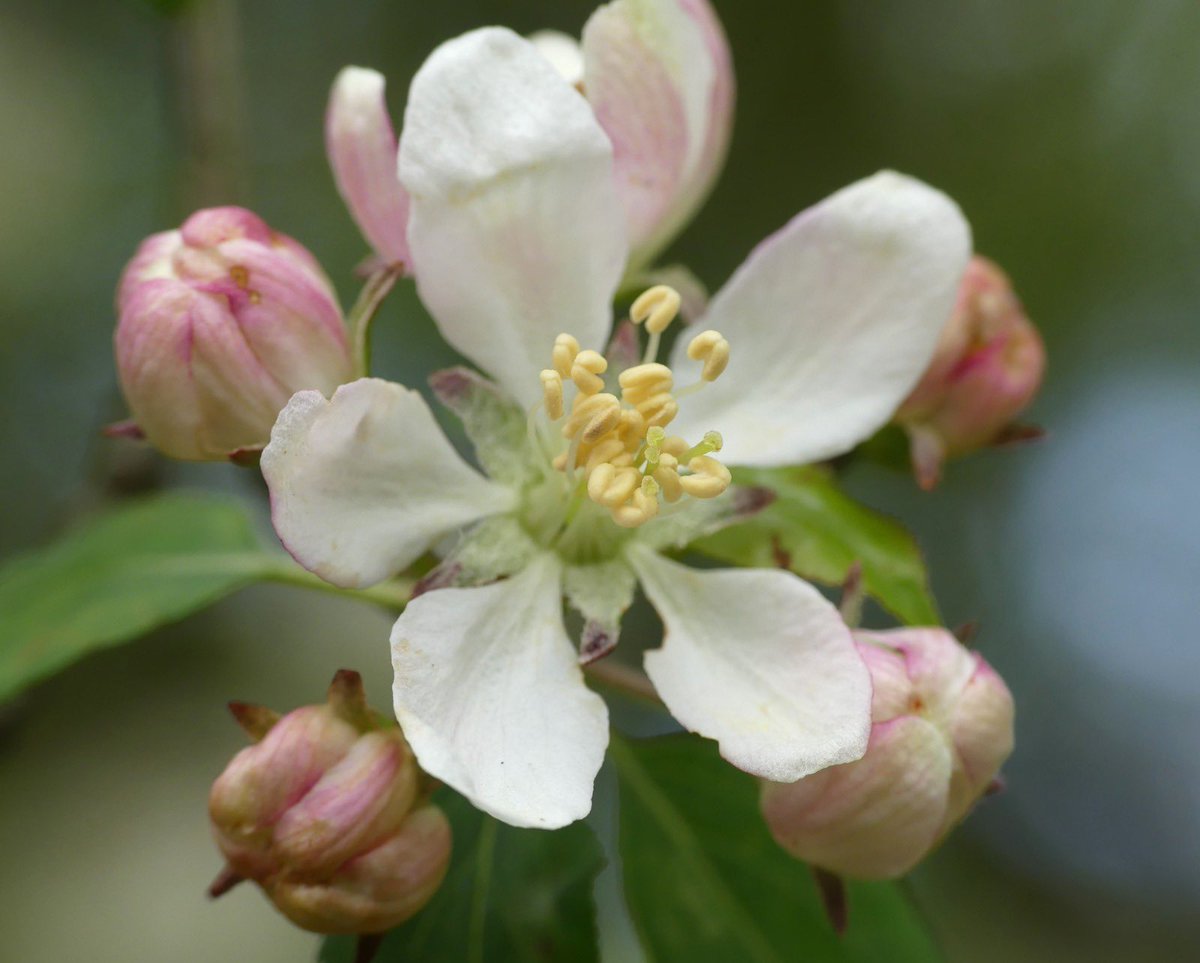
point(619, 453)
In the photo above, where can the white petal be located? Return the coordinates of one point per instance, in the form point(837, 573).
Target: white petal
point(515, 227)
point(562, 51)
point(759, 661)
point(362, 484)
point(489, 694)
point(831, 322)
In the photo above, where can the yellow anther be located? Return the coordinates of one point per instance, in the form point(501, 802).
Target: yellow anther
point(605, 450)
point(660, 410)
point(713, 349)
point(667, 476)
point(632, 428)
point(619, 449)
point(611, 486)
point(709, 478)
point(588, 413)
point(563, 355)
point(657, 307)
point(604, 422)
point(641, 506)
point(674, 445)
point(552, 393)
point(644, 382)
point(586, 371)
point(645, 376)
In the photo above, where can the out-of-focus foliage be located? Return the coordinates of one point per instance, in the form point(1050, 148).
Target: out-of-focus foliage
point(818, 532)
point(118, 578)
point(706, 883)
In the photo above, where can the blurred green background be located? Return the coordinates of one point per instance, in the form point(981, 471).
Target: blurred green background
point(1069, 132)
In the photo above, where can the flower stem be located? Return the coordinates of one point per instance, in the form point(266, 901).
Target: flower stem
point(476, 922)
point(393, 595)
point(625, 679)
point(363, 313)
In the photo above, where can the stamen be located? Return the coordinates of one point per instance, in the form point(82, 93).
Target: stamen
point(667, 476)
point(657, 307)
point(586, 371)
point(591, 416)
point(608, 450)
point(647, 387)
point(713, 349)
point(611, 486)
point(644, 377)
point(601, 424)
point(709, 478)
point(641, 507)
point(675, 445)
point(630, 465)
point(563, 355)
point(552, 393)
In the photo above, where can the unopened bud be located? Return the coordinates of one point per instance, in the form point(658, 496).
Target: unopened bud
point(326, 813)
point(986, 369)
point(942, 725)
point(219, 324)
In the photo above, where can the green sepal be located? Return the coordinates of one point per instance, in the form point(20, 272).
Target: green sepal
point(817, 531)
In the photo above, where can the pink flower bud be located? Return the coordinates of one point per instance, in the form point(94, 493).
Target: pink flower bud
point(361, 145)
point(326, 813)
point(987, 368)
point(219, 324)
point(942, 725)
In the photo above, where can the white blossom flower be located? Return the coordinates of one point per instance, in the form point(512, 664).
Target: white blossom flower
point(658, 76)
point(595, 466)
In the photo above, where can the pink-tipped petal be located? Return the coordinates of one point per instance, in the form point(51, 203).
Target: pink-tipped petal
point(361, 146)
point(659, 76)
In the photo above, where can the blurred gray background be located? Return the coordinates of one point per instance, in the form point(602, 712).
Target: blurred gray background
point(1069, 131)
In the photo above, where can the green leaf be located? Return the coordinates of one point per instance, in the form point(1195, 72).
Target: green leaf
point(127, 572)
point(510, 896)
point(818, 532)
point(704, 880)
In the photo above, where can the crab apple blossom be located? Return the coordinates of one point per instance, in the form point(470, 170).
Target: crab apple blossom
point(595, 465)
point(986, 370)
point(326, 813)
point(219, 323)
point(941, 728)
point(656, 73)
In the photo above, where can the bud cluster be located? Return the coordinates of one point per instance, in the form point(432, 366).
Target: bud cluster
point(327, 813)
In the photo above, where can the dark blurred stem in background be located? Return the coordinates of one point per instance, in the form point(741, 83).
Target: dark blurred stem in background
point(207, 111)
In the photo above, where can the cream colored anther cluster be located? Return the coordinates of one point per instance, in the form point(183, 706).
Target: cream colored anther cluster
point(621, 445)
